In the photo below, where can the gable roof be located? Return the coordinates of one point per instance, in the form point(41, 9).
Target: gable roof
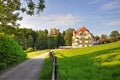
point(81, 29)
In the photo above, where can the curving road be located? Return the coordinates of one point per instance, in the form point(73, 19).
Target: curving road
point(28, 70)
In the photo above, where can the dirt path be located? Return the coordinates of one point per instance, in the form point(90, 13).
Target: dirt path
point(28, 70)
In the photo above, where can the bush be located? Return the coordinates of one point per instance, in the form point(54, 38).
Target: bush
point(3, 65)
point(10, 51)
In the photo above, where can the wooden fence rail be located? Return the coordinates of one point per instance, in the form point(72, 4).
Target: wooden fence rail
point(54, 65)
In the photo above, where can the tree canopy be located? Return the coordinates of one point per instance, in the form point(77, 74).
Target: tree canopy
point(68, 37)
point(115, 35)
point(10, 10)
point(10, 51)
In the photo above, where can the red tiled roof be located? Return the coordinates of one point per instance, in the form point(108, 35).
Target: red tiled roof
point(81, 29)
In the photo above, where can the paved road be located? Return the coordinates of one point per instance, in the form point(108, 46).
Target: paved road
point(28, 70)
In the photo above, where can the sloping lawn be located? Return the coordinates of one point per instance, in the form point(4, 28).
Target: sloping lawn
point(92, 63)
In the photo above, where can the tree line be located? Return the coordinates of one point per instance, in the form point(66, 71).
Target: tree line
point(104, 38)
point(38, 40)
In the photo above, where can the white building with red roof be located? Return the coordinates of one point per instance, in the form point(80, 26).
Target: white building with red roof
point(82, 38)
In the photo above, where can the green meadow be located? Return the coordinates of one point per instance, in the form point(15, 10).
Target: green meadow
point(100, 62)
point(36, 53)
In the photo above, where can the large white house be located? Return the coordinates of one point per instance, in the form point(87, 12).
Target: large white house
point(82, 38)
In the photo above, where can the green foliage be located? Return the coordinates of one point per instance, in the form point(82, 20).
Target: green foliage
point(92, 63)
point(55, 41)
point(59, 40)
point(47, 71)
point(41, 42)
point(115, 36)
point(10, 10)
point(3, 66)
point(25, 37)
point(51, 42)
point(10, 51)
point(68, 37)
point(35, 39)
point(97, 37)
point(6, 30)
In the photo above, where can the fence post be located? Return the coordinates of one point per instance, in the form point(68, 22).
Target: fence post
point(54, 65)
point(56, 69)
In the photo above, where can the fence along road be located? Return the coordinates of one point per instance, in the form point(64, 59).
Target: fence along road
point(28, 70)
point(53, 59)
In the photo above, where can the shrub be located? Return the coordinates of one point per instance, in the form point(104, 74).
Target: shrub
point(10, 51)
point(3, 65)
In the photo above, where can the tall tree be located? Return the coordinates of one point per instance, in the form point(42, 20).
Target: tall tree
point(115, 36)
point(51, 42)
point(68, 37)
point(59, 40)
point(10, 9)
point(41, 42)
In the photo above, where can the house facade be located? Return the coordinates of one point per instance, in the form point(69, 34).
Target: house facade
point(82, 38)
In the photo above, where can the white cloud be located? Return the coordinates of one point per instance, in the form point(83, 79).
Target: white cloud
point(113, 23)
point(36, 22)
point(111, 6)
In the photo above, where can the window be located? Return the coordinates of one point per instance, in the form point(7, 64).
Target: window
point(86, 41)
point(81, 34)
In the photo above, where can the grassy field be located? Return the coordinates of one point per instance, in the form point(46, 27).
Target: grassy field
point(92, 63)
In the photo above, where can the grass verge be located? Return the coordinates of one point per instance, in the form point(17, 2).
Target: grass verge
point(46, 73)
point(36, 53)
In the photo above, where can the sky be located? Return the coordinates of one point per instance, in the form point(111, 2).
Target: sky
point(98, 16)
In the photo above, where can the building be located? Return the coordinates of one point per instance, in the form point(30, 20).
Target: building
point(54, 31)
point(82, 38)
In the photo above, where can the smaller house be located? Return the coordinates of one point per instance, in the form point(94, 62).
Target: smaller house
point(82, 38)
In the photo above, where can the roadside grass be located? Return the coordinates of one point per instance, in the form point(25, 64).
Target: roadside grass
point(36, 53)
point(46, 73)
point(100, 62)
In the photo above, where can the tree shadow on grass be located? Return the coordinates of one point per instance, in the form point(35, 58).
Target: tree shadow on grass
point(90, 66)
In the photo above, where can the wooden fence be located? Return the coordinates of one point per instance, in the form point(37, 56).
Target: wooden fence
point(53, 59)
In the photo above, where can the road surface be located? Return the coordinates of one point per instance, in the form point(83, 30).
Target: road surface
point(28, 70)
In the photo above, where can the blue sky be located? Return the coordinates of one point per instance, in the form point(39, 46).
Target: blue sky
point(99, 16)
